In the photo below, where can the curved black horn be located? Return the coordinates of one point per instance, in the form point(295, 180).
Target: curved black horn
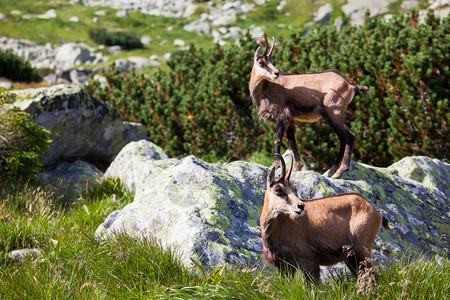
point(267, 46)
point(271, 48)
point(283, 167)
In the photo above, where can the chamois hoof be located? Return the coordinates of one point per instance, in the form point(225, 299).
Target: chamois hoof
point(330, 173)
point(339, 173)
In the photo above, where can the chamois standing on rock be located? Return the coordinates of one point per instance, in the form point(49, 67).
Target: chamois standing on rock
point(302, 235)
point(287, 99)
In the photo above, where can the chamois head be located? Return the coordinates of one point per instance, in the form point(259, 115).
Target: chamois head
point(263, 63)
point(280, 197)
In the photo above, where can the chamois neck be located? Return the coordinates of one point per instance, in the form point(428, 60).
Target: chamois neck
point(256, 83)
point(270, 226)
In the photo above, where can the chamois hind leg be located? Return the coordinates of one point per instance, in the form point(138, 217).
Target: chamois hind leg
point(311, 271)
point(290, 133)
point(346, 140)
point(357, 261)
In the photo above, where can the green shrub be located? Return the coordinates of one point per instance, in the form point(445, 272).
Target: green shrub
point(14, 68)
point(126, 40)
point(201, 105)
point(21, 141)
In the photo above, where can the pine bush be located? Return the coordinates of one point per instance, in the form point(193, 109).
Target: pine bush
point(14, 68)
point(22, 142)
point(201, 105)
point(126, 40)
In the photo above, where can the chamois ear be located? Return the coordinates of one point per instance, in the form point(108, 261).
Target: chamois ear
point(283, 167)
point(271, 177)
point(271, 48)
point(289, 171)
point(257, 55)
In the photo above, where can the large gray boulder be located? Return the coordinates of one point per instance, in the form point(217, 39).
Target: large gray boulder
point(210, 212)
point(81, 126)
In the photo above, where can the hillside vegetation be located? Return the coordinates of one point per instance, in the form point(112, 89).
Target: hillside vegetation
point(201, 104)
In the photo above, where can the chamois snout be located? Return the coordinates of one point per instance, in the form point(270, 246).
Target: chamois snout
point(301, 208)
point(276, 74)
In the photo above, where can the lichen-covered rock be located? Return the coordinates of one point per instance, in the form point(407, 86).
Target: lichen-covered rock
point(135, 163)
point(81, 126)
point(70, 177)
point(210, 212)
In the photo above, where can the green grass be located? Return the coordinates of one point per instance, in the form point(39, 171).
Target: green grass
point(76, 265)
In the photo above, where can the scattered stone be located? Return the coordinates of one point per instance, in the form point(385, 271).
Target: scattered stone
point(146, 40)
point(356, 9)
point(323, 14)
point(71, 54)
point(122, 14)
point(178, 42)
point(49, 14)
point(167, 56)
point(101, 13)
point(70, 178)
point(45, 56)
point(6, 84)
point(114, 50)
point(409, 4)
point(20, 255)
point(256, 31)
point(165, 8)
point(198, 26)
point(441, 8)
point(74, 19)
point(281, 5)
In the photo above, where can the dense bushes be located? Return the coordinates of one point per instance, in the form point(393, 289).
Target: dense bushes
point(22, 142)
point(14, 68)
point(126, 40)
point(201, 105)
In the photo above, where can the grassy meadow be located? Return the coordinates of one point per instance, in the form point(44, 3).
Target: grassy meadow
point(75, 265)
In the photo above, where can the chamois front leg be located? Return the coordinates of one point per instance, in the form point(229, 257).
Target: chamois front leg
point(281, 129)
point(290, 133)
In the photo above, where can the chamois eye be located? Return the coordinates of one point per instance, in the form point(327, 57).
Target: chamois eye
point(279, 191)
point(261, 64)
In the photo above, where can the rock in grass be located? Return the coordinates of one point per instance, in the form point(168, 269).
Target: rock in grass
point(210, 212)
point(70, 178)
point(20, 255)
